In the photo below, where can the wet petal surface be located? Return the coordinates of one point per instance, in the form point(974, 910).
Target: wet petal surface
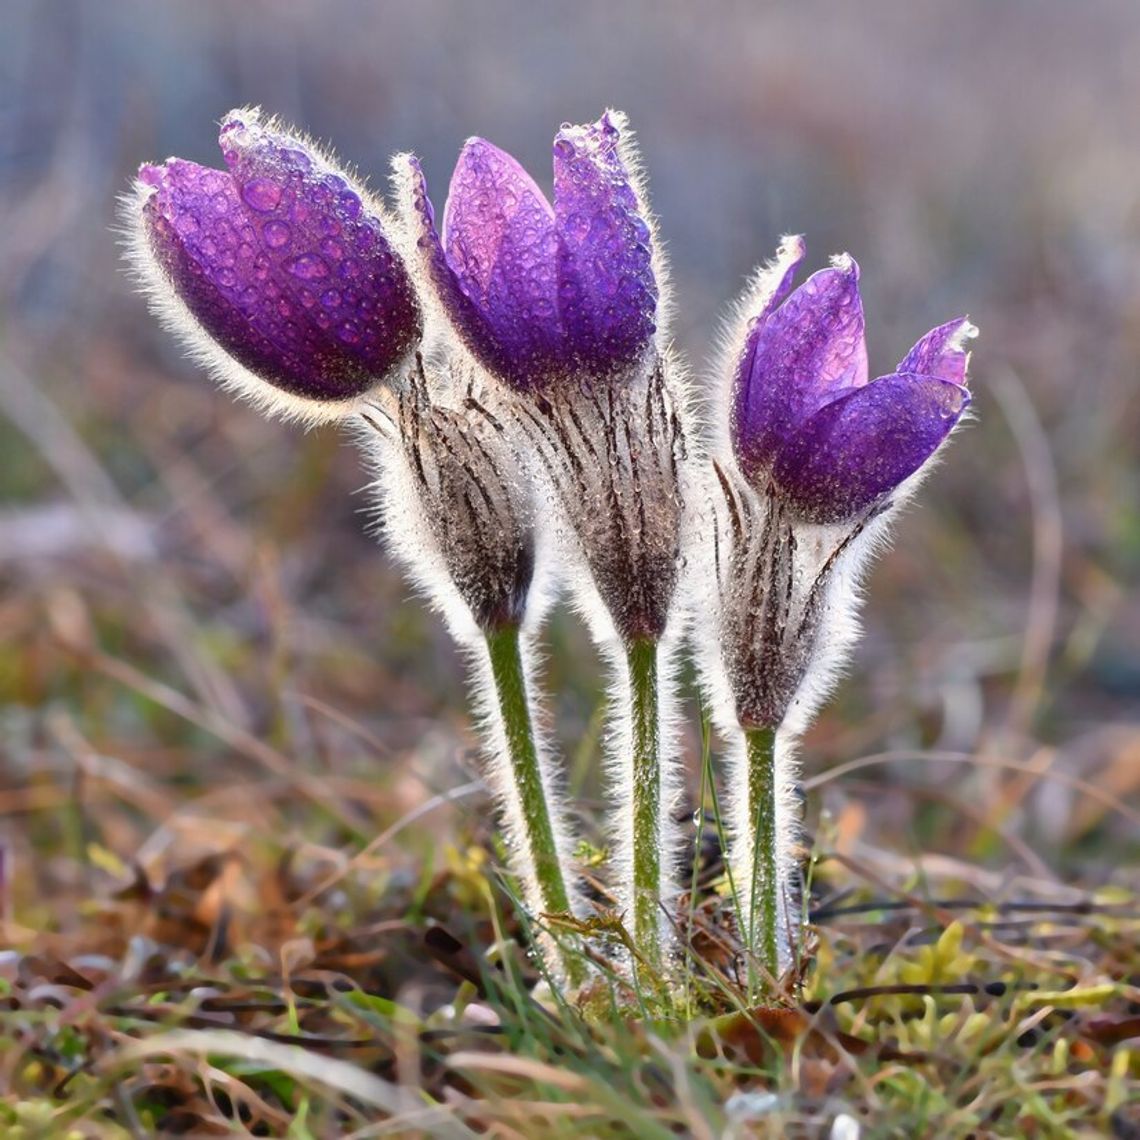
point(866, 443)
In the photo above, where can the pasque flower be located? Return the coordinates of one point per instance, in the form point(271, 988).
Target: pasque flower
point(543, 293)
point(811, 459)
point(803, 412)
point(278, 270)
point(561, 305)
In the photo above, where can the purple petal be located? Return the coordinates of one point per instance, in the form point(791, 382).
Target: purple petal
point(498, 234)
point(942, 352)
point(280, 264)
point(796, 359)
point(469, 321)
point(607, 292)
point(865, 443)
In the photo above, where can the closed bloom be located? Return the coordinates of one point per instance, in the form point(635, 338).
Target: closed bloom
point(276, 270)
point(804, 416)
point(537, 292)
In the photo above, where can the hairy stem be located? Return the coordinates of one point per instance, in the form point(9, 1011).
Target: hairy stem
point(760, 917)
point(645, 793)
point(545, 876)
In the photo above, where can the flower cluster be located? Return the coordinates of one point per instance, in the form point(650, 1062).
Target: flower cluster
point(508, 374)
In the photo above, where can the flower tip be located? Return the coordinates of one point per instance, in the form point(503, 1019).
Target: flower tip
point(966, 331)
point(483, 164)
point(239, 119)
point(406, 162)
point(793, 247)
point(846, 265)
point(612, 122)
point(476, 147)
point(152, 175)
point(587, 140)
point(239, 129)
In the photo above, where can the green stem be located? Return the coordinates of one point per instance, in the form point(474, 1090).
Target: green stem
point(504, 650)
point(761, 918)
point(645, 728)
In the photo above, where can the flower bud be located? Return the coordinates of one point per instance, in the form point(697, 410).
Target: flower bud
point(804, 416)
point(277, 271)
point(543, 293)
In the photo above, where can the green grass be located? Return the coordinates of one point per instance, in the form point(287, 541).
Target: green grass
point(234, 983)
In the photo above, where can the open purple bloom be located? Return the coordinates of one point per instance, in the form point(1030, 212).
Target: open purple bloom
point(540, 292)
point(283, 264)
point(804, 415)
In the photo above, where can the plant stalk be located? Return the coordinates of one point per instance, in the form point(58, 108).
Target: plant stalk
point(546, 877)
point(760, 919)
point(645, 793)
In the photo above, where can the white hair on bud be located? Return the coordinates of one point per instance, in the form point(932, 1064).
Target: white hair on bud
point(403, 523)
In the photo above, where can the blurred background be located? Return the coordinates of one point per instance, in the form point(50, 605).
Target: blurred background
point(200, 646)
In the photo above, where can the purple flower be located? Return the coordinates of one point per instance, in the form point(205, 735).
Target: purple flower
point(541, 293)
point(281, 263)
point(804, 416)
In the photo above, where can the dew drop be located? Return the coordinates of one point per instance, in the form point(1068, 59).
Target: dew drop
point(261, 194)
point(276, 234)
point(309, 267)
point(297, 158)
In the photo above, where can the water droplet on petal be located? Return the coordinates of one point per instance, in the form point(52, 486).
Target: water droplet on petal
point(309, 266)
point(261, 194)
point(276, 234)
